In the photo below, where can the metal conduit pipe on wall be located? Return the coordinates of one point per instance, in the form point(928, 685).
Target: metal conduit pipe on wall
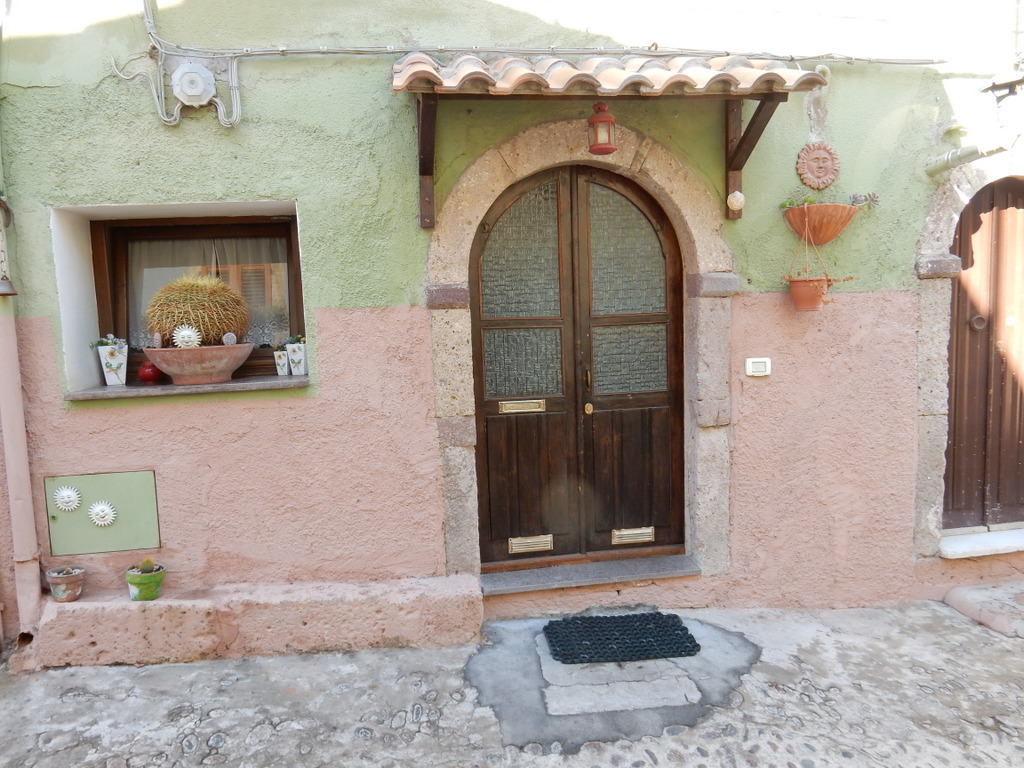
point(27, 585)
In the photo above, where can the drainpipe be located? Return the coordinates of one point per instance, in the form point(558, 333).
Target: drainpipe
point(961, 156)
point(28, 589)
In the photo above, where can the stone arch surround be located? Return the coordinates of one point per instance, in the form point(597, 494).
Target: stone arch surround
point(710, 282)
point(936, 267)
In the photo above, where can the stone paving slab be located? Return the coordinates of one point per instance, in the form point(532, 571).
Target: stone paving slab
point(997, 606)
point(919, 686)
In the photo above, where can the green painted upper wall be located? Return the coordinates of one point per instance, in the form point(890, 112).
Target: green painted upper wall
point(328, 133)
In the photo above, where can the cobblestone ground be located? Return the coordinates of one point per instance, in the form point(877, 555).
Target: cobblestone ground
point(915, 686)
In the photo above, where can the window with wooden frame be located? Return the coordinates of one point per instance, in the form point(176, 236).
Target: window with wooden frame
point(256, 255)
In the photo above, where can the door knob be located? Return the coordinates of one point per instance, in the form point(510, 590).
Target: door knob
point(588, 408)
point(979, 322)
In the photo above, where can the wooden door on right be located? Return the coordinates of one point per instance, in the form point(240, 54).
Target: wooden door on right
point(985, 450)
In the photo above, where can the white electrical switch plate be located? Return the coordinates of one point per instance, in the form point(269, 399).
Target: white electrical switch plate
point(759, 366)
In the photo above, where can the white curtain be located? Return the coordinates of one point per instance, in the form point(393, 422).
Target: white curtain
point(255, 266)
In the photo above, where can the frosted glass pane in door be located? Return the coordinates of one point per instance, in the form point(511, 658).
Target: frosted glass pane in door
point(519, 269)
point(627, 264)
point(630, 358)
point(523, 362)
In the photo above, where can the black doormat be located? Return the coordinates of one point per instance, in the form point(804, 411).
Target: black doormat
point(629, 637)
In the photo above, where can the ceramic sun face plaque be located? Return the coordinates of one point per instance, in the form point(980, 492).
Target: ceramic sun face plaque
point(817, 165)
point(67, 498)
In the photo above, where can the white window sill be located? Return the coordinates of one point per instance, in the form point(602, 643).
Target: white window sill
point(248, 384)
point(982, 544)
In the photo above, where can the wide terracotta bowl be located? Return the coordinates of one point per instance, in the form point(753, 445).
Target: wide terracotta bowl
point(819, 223)
point(199, 365)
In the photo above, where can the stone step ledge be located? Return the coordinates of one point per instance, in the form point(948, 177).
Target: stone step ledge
point(237, 620)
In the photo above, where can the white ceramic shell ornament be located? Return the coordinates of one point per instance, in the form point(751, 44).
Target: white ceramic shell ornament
point(186, 336)
point(102, 513)
point(66, 498)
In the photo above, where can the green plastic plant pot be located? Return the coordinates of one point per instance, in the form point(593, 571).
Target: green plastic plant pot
point(144, 586)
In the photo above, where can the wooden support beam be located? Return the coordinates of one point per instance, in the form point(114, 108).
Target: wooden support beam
point(739, 143)
point(426, 124)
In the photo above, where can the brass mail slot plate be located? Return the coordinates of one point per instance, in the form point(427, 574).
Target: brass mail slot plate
point(632, 535)
point(522, 406)
point(531, 544)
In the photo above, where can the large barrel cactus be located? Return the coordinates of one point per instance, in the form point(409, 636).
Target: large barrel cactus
point(205, 303)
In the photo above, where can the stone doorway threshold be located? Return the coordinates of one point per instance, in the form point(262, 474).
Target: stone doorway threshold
point(587, 574)
point(539, 700)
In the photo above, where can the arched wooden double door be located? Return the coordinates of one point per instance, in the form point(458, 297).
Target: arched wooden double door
point(985, 453)
point(578, 348)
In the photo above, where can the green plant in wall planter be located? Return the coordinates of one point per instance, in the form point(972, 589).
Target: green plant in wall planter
point(145, 579)
point(816, 224)
point(820, 223)
point(203, 317)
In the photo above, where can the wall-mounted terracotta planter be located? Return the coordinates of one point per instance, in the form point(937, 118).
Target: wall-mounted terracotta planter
point(819, 223)
point(808, 293)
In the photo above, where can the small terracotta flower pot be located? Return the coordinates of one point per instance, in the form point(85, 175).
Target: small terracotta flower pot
point(66, 583)
point(808, 293)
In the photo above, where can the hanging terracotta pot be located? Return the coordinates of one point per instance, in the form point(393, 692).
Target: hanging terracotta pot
point(819, 223)
point(808, 293)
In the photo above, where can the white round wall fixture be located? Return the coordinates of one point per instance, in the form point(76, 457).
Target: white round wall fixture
point(193, 84)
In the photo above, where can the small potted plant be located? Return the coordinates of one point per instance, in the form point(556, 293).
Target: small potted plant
point(281, 359)
point(144, 580)
point(295, 347)
point(65, 582)
point(203, 317)
point(808, 290)
point(819, 223)
point(113, 354)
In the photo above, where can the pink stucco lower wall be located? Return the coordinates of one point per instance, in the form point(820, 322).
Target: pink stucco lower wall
point(823, 470)
point(339, 483)
point(342, 484)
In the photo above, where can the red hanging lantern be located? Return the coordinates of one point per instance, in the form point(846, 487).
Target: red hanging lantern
point(601, 126)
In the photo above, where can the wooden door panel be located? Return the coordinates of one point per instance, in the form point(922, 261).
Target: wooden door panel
point(1006, 479)
point(985, 451)
point(530, 491)
point(632, 466)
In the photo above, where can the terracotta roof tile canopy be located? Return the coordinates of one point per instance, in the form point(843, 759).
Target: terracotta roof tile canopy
point(604, 76)
point(731, 79)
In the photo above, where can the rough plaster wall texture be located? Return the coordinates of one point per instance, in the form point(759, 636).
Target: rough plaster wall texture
point(825, 449)
point(339, 485)
point(297, 116)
